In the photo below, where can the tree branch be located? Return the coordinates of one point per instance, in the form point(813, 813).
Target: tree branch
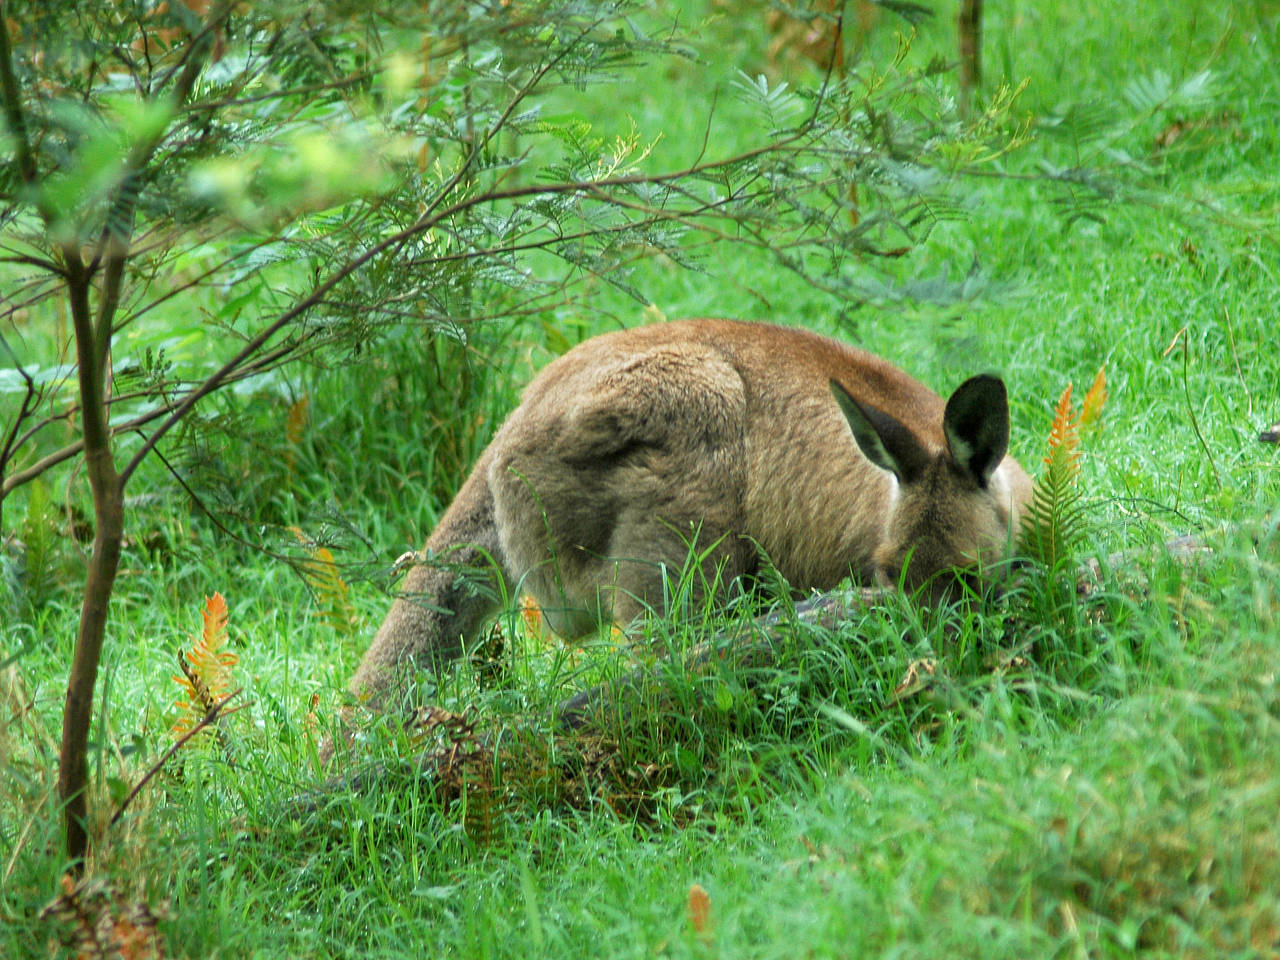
point(348, 81)
point(212, 714)
point(118, 230)
point(422, 225)
point(193, 56)
point(33, 261)
point(30, 398)
point(70, 450)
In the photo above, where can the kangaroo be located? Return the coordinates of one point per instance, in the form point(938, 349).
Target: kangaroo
point(740, 440)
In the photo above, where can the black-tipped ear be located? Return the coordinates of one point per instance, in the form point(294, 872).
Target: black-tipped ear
point(882, 439)
point(976, 425)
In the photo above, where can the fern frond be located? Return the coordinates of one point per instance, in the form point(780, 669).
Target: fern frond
point(96, 919)
point(38, 531)
point(295, 424)
point(206, 668)
point(531, 619)
point(699, 910)
point(331, 592)
point(295, 421)
point(1094, 400)
point(483, 805)
point(1064, 435)
point(1052, 524)
point(465, 768)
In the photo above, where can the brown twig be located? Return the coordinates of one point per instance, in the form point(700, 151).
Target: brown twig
point(211, 715)
point(1231, 339)
point(1186, 390)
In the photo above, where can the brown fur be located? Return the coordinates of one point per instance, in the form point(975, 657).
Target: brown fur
point(721, 435)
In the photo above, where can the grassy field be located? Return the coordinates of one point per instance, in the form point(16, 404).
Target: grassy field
point(1089, 776)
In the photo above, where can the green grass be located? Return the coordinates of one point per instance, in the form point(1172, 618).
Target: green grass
point(1112, 794)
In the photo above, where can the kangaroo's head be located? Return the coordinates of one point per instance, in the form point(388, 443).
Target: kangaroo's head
point(949, 518)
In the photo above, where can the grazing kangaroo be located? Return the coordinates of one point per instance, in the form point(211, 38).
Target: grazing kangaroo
point(743, 441)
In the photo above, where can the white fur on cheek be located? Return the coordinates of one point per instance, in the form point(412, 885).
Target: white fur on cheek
point(1000, 487)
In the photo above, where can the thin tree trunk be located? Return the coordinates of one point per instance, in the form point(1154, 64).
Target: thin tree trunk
point(970, 24)
point(73, 763)
point(92, 346)
point(93, 350)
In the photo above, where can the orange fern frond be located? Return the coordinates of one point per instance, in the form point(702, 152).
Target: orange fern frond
point(1052, 524)
point(1064, 435)
point(699, 906)
point(531, 618)
point(1094, 400)
point(295, 423)
point(326, 583)
point(95, 918)
point(296, 420)
point(206, 667)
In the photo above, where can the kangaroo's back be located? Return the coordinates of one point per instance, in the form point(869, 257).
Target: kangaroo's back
point(817, 507)
point(718, 440)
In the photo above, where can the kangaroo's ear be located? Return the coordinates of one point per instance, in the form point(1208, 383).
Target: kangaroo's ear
point(976, 425)
point(882, 439)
